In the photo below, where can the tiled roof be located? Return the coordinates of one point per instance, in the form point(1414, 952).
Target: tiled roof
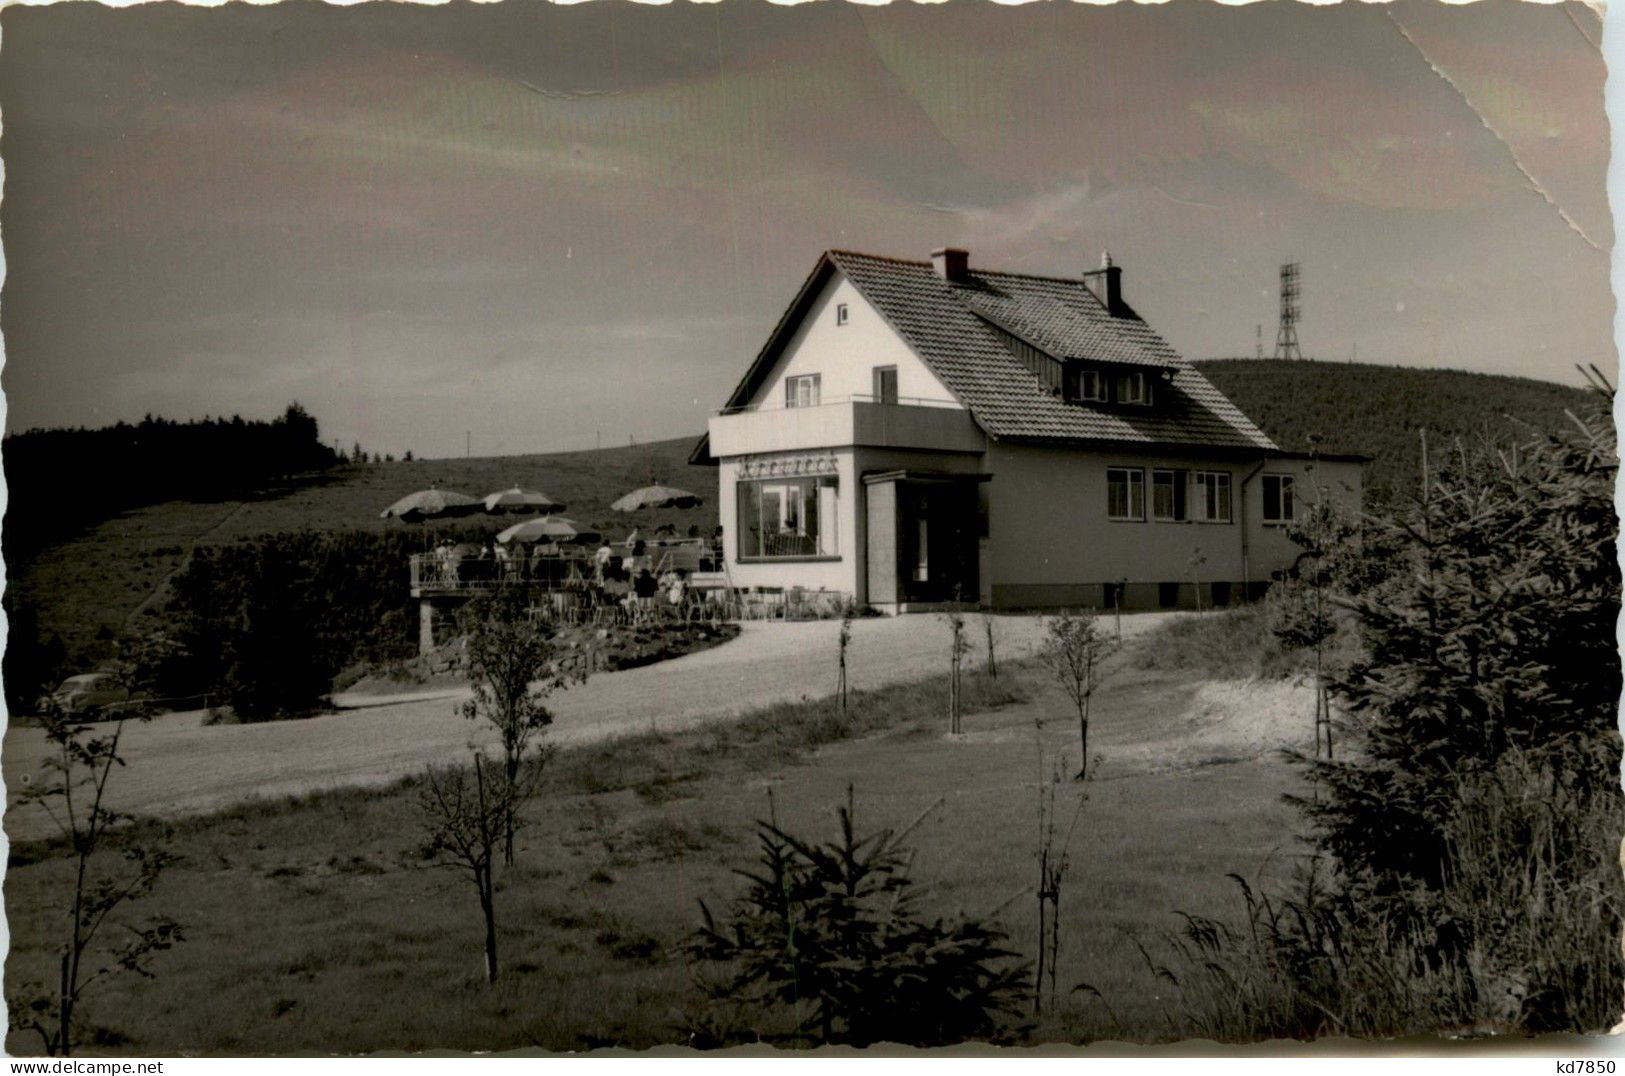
point(1066, 321)
point(948, 326)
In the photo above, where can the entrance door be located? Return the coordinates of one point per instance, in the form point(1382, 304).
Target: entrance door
point(937, 527)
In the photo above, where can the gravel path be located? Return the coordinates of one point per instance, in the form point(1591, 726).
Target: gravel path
point(177, 765)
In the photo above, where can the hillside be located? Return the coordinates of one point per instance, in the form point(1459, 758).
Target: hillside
point(1377, 410)
point(84, 590)
point(51, 496)
point(587, 482)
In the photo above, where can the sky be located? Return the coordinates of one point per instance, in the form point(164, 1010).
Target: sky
point(525, 227)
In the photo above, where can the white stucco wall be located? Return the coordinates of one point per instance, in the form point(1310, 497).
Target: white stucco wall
point(844, 356)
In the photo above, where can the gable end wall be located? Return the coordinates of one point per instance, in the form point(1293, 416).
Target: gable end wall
point(844, 356)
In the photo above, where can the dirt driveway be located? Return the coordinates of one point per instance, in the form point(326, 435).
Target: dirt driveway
point(177, 765)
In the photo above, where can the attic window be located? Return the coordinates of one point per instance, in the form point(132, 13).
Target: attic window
point(1131, 388)
point(840, 313)
point(1083, 385)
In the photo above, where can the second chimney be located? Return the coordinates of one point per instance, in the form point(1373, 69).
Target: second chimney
point(951, 263)
point(1106, 284)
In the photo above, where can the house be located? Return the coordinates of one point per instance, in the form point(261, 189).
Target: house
point(916, 433)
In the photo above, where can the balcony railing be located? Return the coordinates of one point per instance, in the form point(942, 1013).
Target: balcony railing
point(857, 397)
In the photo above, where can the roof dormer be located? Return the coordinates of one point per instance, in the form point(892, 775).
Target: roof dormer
point(1111, 384)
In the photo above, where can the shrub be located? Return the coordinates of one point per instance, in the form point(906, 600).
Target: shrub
point(1467, 829)
point(829, 940)
point(1530, 889)
point(1495, 632)
point(269, 622)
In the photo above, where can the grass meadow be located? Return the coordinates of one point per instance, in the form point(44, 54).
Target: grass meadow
point(315, 924)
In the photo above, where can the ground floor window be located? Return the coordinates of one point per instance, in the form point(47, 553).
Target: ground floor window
point(1125, 493)
point(1277, 498)
point(1213, 496)
point(1168, 496)
point(788, 517)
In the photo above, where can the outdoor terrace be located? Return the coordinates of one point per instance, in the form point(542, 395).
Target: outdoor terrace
point(567, 581)
point(570, 568)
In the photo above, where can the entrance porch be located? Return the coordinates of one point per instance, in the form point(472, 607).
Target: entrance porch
point(923, 537)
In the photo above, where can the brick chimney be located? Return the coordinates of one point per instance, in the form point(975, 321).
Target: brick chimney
point(1106, 284)
point(952, 264)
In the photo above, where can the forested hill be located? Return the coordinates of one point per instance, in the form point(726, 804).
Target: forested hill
point(60, 480)
point(1377, 410)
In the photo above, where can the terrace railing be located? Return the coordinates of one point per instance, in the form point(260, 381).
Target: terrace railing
point(569, 569)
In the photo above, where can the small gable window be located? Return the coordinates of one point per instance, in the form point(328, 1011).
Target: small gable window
point(801, 390)
point(840, 313)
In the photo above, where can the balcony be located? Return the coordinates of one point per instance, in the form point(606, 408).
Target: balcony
point(936, 425)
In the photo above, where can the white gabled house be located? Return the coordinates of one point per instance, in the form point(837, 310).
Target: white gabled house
point(920, 433)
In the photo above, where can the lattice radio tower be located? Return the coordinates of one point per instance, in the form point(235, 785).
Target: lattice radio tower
point(1286, 337)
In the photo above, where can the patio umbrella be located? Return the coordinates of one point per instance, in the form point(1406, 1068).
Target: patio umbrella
point(656, 497)
point(548, 529)
point(431, 504)
point(521, 500)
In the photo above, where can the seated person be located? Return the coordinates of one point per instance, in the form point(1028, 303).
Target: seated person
point(644, 587)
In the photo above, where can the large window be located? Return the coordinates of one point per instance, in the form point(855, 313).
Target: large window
point(788, 517)
point(1277, 498)
point(1125, 493)
point(1213, 496)
point(801, 390)
point(1168, 496)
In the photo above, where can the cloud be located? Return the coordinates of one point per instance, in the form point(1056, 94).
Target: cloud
point(539, 221)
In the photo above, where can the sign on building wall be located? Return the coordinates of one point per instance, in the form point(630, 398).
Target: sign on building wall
point(785, 466)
